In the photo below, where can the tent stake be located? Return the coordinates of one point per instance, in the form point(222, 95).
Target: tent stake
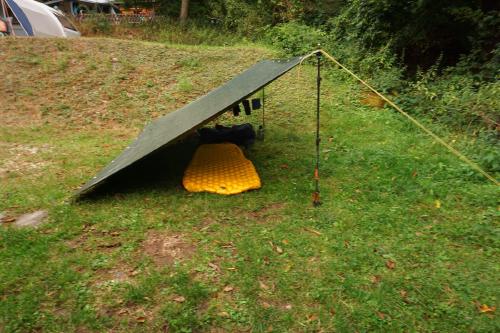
point(316, 198)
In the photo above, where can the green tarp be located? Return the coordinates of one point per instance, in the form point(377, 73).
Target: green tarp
point(171, 127)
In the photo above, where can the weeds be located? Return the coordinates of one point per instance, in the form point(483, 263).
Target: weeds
point(164, 30)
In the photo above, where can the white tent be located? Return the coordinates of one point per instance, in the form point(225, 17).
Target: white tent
point(76, 7)
point(32, 18)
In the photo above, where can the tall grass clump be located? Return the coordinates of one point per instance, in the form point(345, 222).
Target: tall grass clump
point(159, 29)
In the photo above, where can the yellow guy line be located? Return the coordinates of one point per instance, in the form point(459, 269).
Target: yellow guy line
point(461, 156)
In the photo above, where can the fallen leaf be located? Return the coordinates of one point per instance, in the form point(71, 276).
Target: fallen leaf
point(414, 173)
point(266, 305)
point(284, 166)
point(179, 299)
point(279, 250)
point(7, 219)
point(140, 319)
point(288, 306)
point(390, 264)
point(313, 231)
point(122, 311)
point(404, 296)
point(223, 314)
point(312, 317)
point(205, 228)
point(231, 269)
point(381, 315)
point(228, 289)
point(486, 309)
point(437, 203)
point(346, 244)
point(263, 285)
point(288, 267)
point(285, 241)
point(375, 279)
point(214, 266)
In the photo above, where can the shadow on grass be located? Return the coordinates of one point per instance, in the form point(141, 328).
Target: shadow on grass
point(160, 171)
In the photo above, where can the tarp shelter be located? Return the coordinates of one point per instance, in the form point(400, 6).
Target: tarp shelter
point(174, 126)
point(32, 18)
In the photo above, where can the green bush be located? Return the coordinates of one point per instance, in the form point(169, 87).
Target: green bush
point(457, 100)
point(379, 67)
point(421, 32)
point(295, 38)
point(487, 152)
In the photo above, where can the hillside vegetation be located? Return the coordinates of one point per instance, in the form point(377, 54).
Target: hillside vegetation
point(437, 58)
point(405, 240)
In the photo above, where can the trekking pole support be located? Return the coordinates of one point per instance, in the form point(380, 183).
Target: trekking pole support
point(316, 197)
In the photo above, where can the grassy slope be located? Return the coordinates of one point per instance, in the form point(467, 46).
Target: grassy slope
point(89, 268)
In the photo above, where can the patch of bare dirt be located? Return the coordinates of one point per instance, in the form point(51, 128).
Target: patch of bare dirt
point(104, 240)
point(165, 249)
point(272, 212)
point(21, 158)
point(206, 223)
point(134, 315)
point(118, 274)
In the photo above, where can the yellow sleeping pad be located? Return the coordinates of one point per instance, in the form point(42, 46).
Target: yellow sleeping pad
point(220, 168)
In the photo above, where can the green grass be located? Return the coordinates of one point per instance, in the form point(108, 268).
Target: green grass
point(378, 255)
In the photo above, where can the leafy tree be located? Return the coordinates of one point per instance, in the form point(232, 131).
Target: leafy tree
point(424, 31)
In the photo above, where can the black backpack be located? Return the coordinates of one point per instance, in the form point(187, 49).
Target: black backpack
point(241, 135)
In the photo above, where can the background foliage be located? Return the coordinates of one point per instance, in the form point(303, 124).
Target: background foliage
point(439, 59)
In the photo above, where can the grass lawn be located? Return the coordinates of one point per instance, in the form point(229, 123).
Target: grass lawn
point(406, 239)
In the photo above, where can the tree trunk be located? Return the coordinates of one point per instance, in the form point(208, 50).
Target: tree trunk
point(184, 11)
